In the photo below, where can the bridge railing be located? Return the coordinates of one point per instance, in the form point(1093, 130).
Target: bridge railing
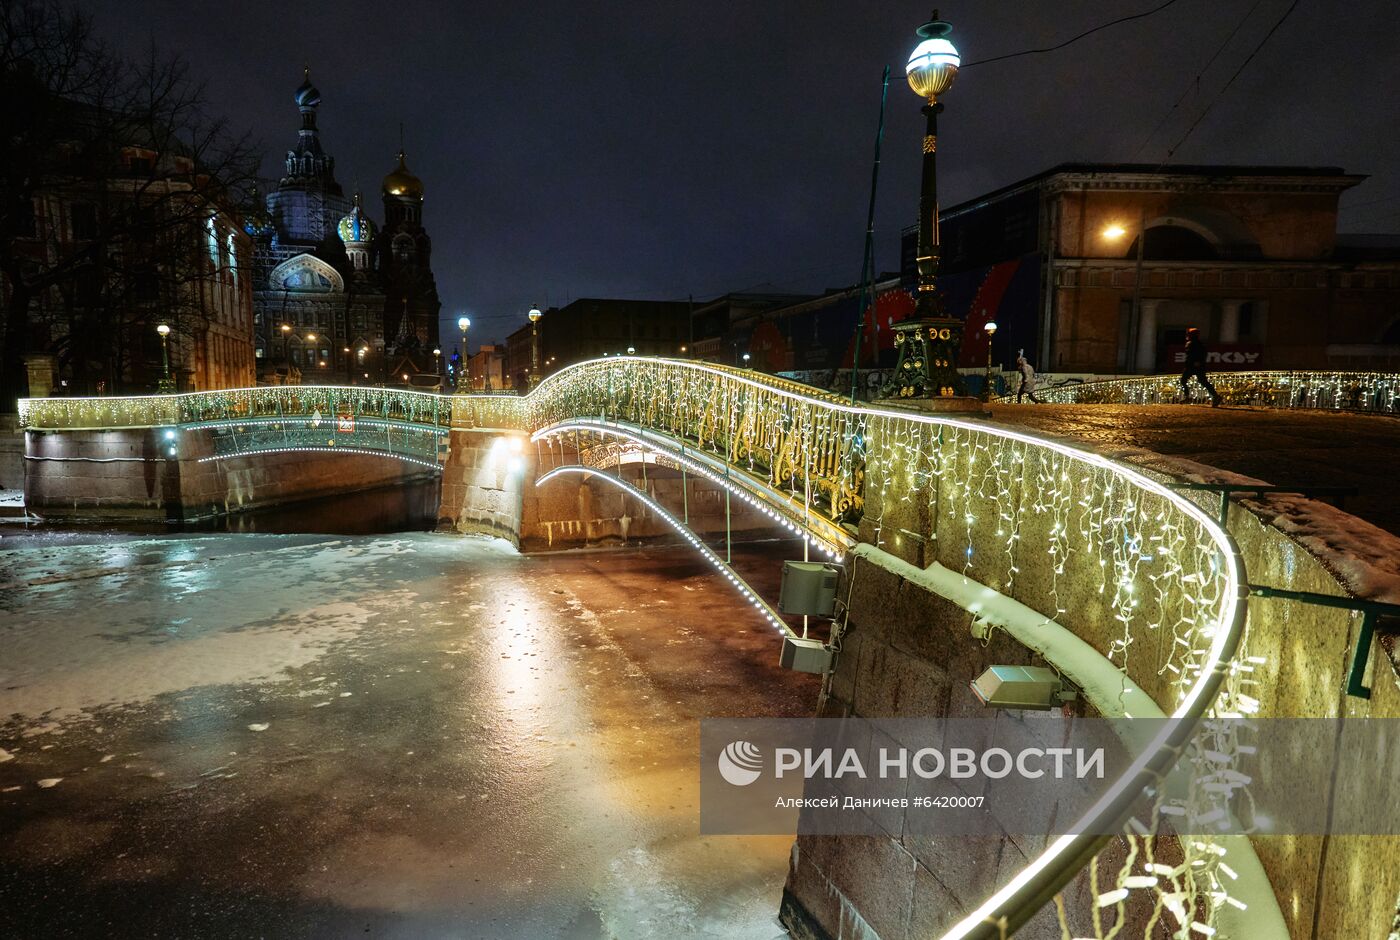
point(1336, 391)
point(269, 402)
point(783, 431)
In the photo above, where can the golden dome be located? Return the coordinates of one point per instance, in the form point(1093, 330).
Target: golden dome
point(401, 182)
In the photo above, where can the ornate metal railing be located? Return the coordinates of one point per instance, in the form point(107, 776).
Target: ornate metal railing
point(284, 401)
point(1334, 391)
point(1138, 571)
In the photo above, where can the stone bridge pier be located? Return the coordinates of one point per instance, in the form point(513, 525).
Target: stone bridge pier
point(489, 488)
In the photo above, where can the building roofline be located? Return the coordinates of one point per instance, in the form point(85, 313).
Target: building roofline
point(1333, 177)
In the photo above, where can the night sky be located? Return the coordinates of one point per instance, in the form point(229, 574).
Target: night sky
point(659, 150)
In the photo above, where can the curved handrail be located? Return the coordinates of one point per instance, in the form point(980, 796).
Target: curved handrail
point(1377, 392)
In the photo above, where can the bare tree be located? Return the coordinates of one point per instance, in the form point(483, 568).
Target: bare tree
point(114, 183)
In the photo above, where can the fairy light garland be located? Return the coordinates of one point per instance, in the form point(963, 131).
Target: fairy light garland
point(1333, 391)
point(740, 585)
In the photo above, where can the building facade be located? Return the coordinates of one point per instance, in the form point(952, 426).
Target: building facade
point(339, 297)
point(141, 245)
point(590, 328)
point(1249, 254)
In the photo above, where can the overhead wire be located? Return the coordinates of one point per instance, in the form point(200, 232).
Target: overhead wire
point(1195, 83)
point(1171, 151)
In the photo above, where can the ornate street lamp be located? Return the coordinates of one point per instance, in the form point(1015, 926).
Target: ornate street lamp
point(991, 329)
point(462, 378)
point(286, 334)
point(928, 342)
point(166, 386)
point(534, 316)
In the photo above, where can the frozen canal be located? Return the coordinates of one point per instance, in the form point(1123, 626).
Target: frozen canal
point(405, 735)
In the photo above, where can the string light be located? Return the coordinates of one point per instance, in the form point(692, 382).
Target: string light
point(742, 586)
point(1333, 391)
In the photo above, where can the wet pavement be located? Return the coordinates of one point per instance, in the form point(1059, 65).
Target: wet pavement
point(405, 735)
point(1287, 448)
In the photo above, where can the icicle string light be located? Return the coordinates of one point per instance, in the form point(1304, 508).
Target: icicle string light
point(1333, 391)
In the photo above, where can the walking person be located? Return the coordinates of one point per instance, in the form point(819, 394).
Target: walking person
point(1027, 378)
point(1196, 366)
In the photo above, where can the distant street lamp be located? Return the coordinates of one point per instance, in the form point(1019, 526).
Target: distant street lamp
point(462, 378)
point(991, 329)
point(1114, 231)
point(166, 385)
point(746, 361)
point(534, 316)
point(437, 362)
point(631, 350)
point(928, 342)
point(286, 332)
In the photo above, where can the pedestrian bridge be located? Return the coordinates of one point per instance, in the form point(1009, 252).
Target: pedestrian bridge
point(1128, 587)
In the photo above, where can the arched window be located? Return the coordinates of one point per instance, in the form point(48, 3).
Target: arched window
point(1174, 243)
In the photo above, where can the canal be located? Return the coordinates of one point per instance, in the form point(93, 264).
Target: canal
point(329, 721)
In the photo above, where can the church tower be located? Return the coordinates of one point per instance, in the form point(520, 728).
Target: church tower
point(308, 202)
point(404, 250)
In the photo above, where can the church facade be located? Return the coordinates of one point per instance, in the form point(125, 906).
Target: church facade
point(339, 298)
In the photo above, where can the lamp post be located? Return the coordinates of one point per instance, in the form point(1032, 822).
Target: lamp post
point(1113, 232)
point(166, 385)
point(286, 333)
point(437, 364)
point(534, 316)
point(991, 329)
point(928, 342)
point(747, 359)
point(462, 378)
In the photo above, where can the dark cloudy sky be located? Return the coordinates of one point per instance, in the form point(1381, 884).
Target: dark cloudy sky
point(660, 149)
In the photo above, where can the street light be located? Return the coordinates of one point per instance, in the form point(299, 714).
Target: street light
point(991, 329)
point(286, 332)
point(534, 315)
point(928, 342)
point(462, 324)
point(1112, 232)
point(631, 350)
point(746, 361)
point(437, 363)
point(166, 386)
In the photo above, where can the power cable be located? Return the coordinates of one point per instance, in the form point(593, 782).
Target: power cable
point(1070, 42)
point(1195, 83)
point(1171, 151)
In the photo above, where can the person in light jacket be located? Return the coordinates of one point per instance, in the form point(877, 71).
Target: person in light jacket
point(1027, 378)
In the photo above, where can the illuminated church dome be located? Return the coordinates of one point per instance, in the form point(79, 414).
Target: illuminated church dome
point(356, 227)
point(401, 182)
point(307, 95)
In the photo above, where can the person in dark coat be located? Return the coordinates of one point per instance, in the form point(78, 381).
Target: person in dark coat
point(1196, 366)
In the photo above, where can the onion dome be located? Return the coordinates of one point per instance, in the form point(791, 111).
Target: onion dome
point(307, 95)
point(401, 182)
point(256, 224)
point(356, 227)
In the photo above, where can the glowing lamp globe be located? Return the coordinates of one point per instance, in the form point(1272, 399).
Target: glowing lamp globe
point(934, 62)
point(463, 323)
point(991, 327)
point(534, 314)
point(163, 330)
